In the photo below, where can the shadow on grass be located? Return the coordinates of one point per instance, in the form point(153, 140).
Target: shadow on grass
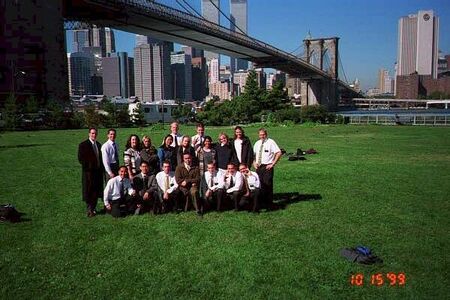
point(23, 146)
point(282, 200)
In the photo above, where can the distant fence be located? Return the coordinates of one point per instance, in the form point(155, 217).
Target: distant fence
point(391, 119)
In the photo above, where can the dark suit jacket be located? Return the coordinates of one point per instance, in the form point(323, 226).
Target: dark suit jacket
point(246, 153)
point(180, 152)
point(191, 176)
point(92, 170)
point(138, 184)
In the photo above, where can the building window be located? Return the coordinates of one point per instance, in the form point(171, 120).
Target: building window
point(146, 110)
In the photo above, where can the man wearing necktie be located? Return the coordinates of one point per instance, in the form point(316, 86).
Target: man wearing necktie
point(233, 184)
point(174, 127)
point(169, 194)
point(118, 191)
point(145, 185)
point(213, 180)
point(251, 188)
point(267, 153)
point(110, 155)
point(188, 179)
point(90, 158)
point(199, 138)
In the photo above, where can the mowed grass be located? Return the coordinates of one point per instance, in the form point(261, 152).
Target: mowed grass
point(383, 187)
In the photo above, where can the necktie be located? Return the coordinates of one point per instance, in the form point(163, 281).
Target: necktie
point(94, 146)
point(247, 186)
point(145, 180)
point(166, 187)
point(211, 183)
point(122, 190)
point(116, 153)
point(231, 181)
point(260, 153)
point(175, 138)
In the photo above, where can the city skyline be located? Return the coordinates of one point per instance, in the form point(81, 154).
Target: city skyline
point(368, 30)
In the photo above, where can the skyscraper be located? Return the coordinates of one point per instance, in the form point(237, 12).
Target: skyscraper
point(418, 44)
point(80, 40)
point(117, 79)
point(214, 70)
point(211, 13)
point(238, 16)
point(181, 76)
point(102, 37)
point(81, 70)
point(110, 41)
point(199, 78)
point(384, 82)
point(152, 69)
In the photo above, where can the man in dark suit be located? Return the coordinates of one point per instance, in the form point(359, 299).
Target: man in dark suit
point(145, 185)
point(90, 158)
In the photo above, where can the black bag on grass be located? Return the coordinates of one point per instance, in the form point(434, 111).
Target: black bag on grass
point(9, 213)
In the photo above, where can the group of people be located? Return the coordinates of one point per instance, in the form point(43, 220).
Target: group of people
point(183, 171)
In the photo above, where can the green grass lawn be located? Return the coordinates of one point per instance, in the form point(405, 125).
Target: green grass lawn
point(384, 187)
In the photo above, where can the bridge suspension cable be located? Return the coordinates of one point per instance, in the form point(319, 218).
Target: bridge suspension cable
point(193, 9)
point(341, 67)
point(182, 6)
point(231, 22)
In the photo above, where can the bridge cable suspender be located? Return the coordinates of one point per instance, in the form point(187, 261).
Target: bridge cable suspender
point(196, 12)
point(231, 22)
point(187, 10)
point(342, 67)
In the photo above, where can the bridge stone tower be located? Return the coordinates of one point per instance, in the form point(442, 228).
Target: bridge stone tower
point(33, 59)
point(323, 92)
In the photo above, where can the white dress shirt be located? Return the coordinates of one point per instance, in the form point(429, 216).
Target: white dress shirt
point(161, 180)
point(178, 137)
point(109, 155)
point(238, 181)
point(113, 188)
point(198, 140)
point(238, 147)
point(270, 148)
point(253, 181)
point(217, 180)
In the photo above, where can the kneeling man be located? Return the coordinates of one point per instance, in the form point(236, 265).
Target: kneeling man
point(233, 185)
point(146, 189)
point(118, 191)
point(252, 187)
point(168, 193)
point(213, 179)
point(188, 179)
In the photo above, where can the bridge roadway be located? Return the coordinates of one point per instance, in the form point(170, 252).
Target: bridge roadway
point(162, 22)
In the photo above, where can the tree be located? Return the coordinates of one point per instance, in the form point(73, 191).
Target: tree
point(54, 116)
point(183, 112)
point(138, 116)
point(31, 105)
point(248, 104)
point(91, 116)
point(275, 99)
point(11, 113)
point(122, 116)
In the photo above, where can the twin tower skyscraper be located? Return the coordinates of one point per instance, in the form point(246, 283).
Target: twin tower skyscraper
point(238, 23)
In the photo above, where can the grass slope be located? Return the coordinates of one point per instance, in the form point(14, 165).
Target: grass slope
point(384, 187)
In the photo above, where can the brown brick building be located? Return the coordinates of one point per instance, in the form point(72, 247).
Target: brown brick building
point(415, 86)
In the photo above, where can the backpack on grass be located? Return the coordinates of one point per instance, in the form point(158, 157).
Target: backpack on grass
point(9, 213)
point(360, 254)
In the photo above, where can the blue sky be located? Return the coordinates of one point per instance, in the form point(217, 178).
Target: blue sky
point(367, 28)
